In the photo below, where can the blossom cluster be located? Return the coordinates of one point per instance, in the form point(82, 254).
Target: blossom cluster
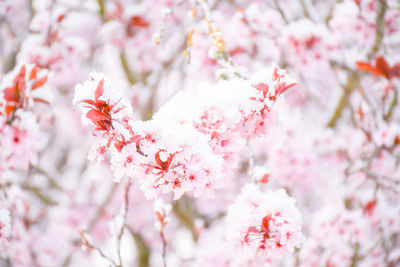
point(266, 222)
point(20, 136)
point(170, 133)
point(193, 142)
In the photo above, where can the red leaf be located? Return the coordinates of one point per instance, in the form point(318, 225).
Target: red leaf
point(369, 207)
point(275, 75)
point(364, 66)
point(99, 90)
point(20, 75)
point(96, 116)
point(265, 222)
point(262, 87)
point(159, 161)
point(60, 17)
point(21, 85)
point(89, 101)
point(119, 146)
point(33, 73)
point(39, 83)
point(138, 21)
point(41, 100)
point(9, 109)
point(164, 164)
point(383, 67)
point(11, 94)
point(395, 72)
point(265, 178)
point(282, 87)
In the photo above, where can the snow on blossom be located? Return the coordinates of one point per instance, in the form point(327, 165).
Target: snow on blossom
point(268, 223)
point(192, 142)
point(182, 107)
point(100, 103)
point(261, 174)
point(213, 250)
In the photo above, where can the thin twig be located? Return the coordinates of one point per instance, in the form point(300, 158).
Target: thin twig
point(125, 67)
point(391, 107)
point(278, 7)
point(380, 28)
point(125, 212)
point(351, 84)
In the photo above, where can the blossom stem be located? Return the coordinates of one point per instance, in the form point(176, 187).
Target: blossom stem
point(380, 28)
point(125, 67)
point(351, 84)
point(392, 105)
point(125, 212)
point(101, 9)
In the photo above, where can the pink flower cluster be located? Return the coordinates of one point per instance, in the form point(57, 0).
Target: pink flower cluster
point(20, 137)
point(267, 223)
point(192, 143)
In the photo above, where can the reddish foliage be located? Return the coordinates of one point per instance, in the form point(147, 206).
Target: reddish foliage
point(15, 95)
point(139, 21)
point(100, 110)
point(381, 68)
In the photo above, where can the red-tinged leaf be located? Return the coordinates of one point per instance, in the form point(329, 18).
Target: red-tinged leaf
point(20, 75)
point(383, 67)
point(275, 75)
point(21, 85)
point(364, 66)
point(33, 73)
point(99, 90)
point(119, 146)
point(11, 94)
point(262, 87)
point(60, 17)
point(96, 116)
point(265, 178)
point(170, 158)
point(396, 140)
point(164, 164)
point(370, 207)
point(265, 222)
point(395, 71)
point(39, 83)
point(88, 101)
point(41, 100)
point(138, 21)
point(158, 160)
point(282, 87)
point(9, 109)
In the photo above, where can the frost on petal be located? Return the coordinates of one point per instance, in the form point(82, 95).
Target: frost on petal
point(267, 223)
